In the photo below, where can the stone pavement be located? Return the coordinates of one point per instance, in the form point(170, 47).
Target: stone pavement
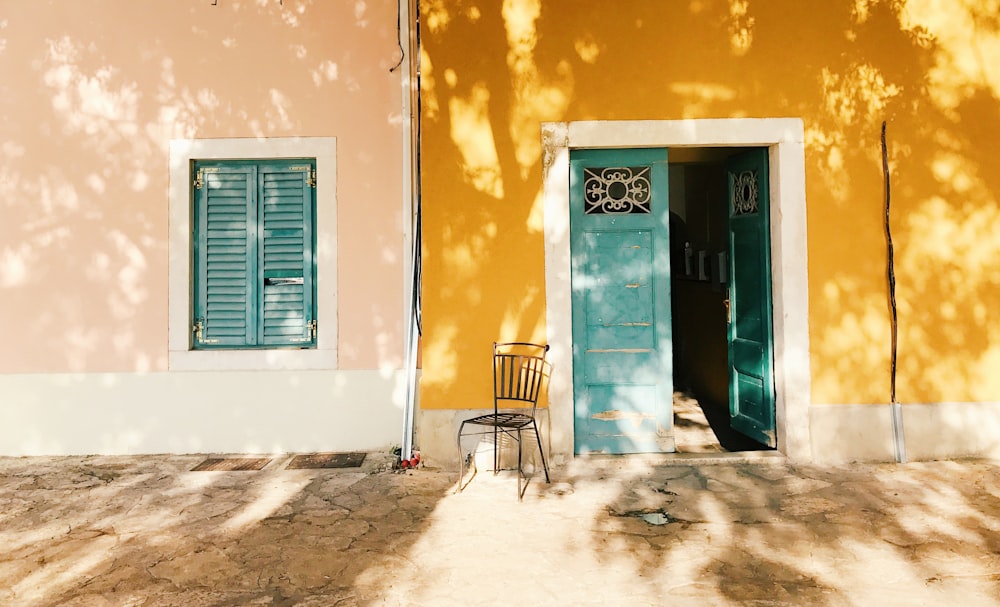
point(145, 531)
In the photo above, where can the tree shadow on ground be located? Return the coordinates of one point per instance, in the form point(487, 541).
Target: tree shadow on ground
point(607, 531)
point(147, 531)
point(759, 534)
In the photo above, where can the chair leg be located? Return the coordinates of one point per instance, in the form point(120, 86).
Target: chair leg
point(541, 453)
point(496, 451)
point(520, 474)
point(461, 460)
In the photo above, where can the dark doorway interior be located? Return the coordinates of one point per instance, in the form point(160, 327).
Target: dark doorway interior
point(698, 235)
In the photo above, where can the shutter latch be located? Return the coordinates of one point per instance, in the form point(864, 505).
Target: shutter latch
point(199, 333)
point(311, 329)
point(311, 180)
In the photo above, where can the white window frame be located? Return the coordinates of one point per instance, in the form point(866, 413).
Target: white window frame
point(181, 356)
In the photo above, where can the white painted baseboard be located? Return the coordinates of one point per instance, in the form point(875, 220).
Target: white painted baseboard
point(845, 433)
point(200, 412)
point(437, 439)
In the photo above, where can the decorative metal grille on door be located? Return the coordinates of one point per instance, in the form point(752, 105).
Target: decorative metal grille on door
point(616, 190)
point(745, 195)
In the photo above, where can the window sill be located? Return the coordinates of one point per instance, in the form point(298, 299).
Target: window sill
point(252, 360)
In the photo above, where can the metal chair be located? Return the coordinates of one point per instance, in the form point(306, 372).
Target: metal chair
point(519, 369)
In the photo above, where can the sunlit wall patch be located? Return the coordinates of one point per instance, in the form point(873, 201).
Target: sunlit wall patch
point(616, 190)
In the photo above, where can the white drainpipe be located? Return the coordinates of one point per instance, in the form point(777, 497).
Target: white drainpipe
point(410, 217)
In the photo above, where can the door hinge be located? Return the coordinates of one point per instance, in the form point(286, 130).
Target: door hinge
point(309, 171)
point(199, 178)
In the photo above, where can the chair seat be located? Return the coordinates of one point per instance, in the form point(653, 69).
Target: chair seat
point(502, 420)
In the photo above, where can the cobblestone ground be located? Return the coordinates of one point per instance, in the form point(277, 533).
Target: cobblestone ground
point(145, 531)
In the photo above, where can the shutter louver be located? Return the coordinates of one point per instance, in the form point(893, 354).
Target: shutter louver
point(227, 222)
point(286, 272)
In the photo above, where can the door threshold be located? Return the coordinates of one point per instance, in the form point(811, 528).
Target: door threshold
point(686, 459)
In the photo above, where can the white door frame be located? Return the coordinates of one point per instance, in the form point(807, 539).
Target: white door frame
point(784, 138)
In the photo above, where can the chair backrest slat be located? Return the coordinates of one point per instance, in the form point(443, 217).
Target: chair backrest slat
point(519, 369)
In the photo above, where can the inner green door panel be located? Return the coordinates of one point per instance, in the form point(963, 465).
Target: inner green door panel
point(751, 375)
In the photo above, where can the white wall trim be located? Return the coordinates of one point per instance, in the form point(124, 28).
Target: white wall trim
point(438, 447)
point(200, 412)
point(784, 138)
point(182, 153)
point(844, 433)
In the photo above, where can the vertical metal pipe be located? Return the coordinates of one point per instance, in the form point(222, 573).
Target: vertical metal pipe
point(896, 411)
point(411, 213)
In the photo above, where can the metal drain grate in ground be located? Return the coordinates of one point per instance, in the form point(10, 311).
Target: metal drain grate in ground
point(231, 464)
point(326, 460)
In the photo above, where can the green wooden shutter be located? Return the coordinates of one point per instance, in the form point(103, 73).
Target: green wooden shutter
point(225, 254)
point(285, 274)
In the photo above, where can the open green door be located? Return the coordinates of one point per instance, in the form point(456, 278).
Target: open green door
point(751, 375)
point(622, 358)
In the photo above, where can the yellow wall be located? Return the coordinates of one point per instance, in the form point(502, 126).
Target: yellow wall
point(492, 71)
point(91, 93)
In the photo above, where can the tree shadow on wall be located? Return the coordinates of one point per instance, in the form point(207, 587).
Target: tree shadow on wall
point(84, 179)
point(844, 68)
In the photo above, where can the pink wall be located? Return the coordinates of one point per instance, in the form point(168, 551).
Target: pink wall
point(90, 95)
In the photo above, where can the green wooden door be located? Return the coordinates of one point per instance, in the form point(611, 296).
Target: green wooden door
point(751, 377)
point(622, 359)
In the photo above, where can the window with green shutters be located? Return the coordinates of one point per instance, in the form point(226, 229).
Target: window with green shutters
point(254, 245)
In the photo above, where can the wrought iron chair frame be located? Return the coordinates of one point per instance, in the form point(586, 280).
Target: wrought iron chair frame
point(517, 378)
